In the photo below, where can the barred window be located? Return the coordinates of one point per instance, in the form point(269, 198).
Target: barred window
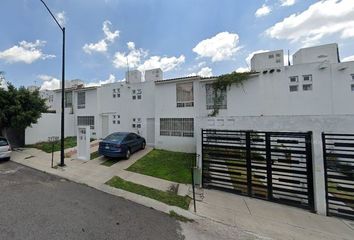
point(184, 94)
point(85, 120)
point(68, 99)
point(177, 127)
point(221, 97)
point(81, 99)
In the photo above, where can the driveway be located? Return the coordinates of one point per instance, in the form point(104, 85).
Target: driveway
point(35, 205)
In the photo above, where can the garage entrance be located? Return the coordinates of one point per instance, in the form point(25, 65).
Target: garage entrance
point(274, 166)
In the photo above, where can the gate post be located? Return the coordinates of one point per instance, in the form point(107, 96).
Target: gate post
point(318, 174)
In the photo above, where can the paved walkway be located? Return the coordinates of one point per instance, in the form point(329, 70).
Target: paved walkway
point(261, 219)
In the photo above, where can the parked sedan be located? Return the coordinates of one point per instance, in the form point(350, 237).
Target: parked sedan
point(121, 144)
point(5, 149)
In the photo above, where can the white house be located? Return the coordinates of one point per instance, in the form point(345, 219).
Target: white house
point(169, 113)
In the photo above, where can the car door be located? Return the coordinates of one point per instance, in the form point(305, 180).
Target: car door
point(135, 142)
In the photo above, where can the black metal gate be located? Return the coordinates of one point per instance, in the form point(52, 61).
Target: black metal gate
point(275, 166)
point(338, 152)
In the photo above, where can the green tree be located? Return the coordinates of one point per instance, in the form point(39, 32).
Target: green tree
point(19, 108)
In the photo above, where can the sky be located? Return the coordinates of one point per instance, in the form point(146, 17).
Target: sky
point(182, 37)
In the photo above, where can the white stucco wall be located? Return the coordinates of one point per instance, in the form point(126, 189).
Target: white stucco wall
point(49, 125)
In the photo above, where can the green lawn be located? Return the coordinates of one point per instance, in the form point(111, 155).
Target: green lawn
point(172, 166)
point(165, 197)
point(69, 142)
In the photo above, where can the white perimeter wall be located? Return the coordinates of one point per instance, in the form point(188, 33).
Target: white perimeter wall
point(49, 125)
point(316, 124)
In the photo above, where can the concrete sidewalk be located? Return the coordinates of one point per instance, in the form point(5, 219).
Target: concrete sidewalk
point(261, 219)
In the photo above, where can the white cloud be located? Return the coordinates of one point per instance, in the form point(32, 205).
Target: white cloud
point(49, 82)
point(220, 47)
point(348, 59)
point(133, 58)
point(27, 52)
point(111, 79)
point(61, 18)
point(131, 45)
point(205, 72)
point(287, 3)
point(102, 45)
point(263, 11)
point(165, 63)
point(321, 19)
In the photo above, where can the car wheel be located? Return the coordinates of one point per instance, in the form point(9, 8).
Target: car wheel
point(143, 145)
point(127, 154)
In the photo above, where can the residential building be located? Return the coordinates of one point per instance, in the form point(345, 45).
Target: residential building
point(171, 112)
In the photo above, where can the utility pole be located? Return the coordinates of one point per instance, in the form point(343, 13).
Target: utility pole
point(62, 88)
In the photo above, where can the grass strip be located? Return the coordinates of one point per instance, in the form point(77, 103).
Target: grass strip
point(165, 197)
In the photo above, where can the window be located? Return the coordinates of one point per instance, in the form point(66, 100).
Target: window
point(86, 121)
point(270, 56)
point(307, 87)
point(278, 61)
point(137, 94)
point(50, 99)
point(184, 94)
point(68, 99)
point(277, 55)
point(294, 88)
point(81, 99)
point(221, 97)
point(352, 77)
point(294, 79)
point(307, 78)
point(114, 121)
point(116, 93)
point(177, 127)
point(352, 87)
point(136, 123)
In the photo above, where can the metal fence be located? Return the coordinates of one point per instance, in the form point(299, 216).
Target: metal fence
point(338, 155)
point(275, 166)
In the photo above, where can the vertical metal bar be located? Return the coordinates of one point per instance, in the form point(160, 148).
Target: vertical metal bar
point(52, 154)
point(324, 148)
point(248, 163)
point(309, 170)
point(195, 208)
point(202, 159)
point(269, 166)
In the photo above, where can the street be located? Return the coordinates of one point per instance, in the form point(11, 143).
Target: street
point(36, 205)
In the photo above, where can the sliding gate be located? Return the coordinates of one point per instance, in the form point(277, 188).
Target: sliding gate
point(275, 166)
point(338, 152)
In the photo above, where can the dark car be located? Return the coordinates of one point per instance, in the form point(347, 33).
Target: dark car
point(121, 144)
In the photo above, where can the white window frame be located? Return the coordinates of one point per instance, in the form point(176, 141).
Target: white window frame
point(309, 85)
point(86, 121)
point(210, 95)
point(307, 75)
point(177, 127)
point(292, 86)
point(81, 102)
point(296, 79)
point(183, 100)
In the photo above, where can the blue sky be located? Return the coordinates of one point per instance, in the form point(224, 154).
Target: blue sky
point(183, 37)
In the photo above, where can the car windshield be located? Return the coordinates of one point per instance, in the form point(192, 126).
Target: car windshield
point(116, 137)
point(3, 142)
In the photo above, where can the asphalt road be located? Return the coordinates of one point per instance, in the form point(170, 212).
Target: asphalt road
point(35, 205)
